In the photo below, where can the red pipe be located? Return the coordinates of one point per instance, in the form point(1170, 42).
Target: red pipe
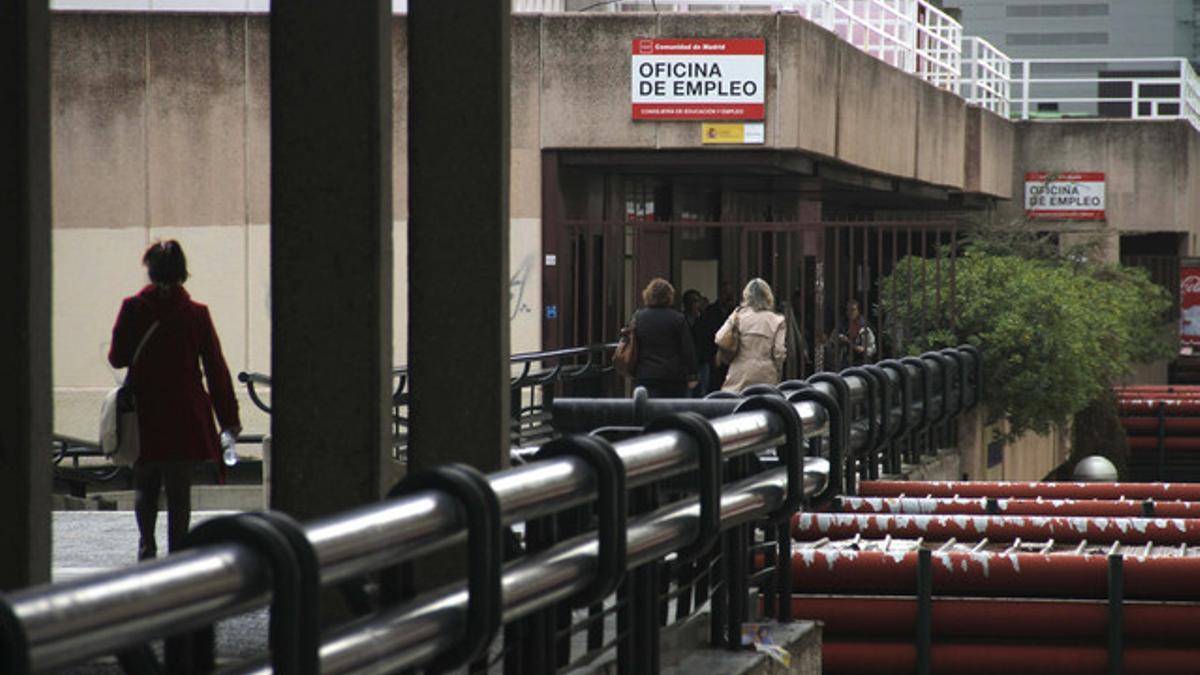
point(1178, 445)
point(1148, 407)
point(1179, 426)
point(1158, 491)
point(1065, 530)
point(856, 617)
point(1167, 393)
point(1130, 508)
point(1031, 575)
point(1000, 659)
point(1172, 388)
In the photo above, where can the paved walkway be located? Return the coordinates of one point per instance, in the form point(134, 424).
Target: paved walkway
point(90, 542)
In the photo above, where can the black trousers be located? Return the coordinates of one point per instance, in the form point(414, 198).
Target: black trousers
point(149, 478)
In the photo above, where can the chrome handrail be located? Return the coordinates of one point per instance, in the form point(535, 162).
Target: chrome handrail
point(52, 626)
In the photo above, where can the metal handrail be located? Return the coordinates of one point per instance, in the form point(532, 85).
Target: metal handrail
point(526, 360)
point(407, 636)
point(577, 415)
point(70, 622)
point(63, 624)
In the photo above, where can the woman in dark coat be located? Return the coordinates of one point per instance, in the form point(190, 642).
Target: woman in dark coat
point(666, 356)
point(175, 412)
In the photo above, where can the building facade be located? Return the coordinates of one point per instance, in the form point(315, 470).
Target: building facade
point(1085, 28)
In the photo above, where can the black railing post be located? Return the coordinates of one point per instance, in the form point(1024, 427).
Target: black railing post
point(904, 425)
point(924, 611)
point(293, 598)
point(846, 460)
point(638, 649)
point(920, 427)
point(736, 551)
point(14, 645)
point(1116, 618)
point(485, 549)
point(870, 458)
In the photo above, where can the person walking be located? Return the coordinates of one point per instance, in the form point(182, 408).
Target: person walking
point(666, 357)
point(753, 339)
point(175, 412)
point(797, 346)
point(856, 337)
point(710, 322)
point(702, 339)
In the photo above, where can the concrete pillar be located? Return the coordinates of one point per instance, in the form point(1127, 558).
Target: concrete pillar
point(331, 253)
point(458, 145)
point(25, 404)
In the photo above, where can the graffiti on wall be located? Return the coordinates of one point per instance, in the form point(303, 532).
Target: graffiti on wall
point(517, 287)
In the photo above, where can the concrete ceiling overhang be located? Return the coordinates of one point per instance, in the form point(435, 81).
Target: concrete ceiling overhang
point(824, 179)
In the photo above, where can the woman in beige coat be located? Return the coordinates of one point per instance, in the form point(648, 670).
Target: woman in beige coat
point(759, 336)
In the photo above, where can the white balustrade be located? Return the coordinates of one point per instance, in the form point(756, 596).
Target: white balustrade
point(911, 35)
point(246, 6)
point(1136, 88)
point(986, 76)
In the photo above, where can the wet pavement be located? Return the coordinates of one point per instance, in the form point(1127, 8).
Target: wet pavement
point(90, 542)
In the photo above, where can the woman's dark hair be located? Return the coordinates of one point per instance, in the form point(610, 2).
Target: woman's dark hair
point(165, 262)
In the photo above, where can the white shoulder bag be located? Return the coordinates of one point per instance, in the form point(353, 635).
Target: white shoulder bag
point(118, 416)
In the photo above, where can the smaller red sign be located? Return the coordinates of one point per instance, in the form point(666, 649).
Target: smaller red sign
point(1064, 195)
point(1189, 303)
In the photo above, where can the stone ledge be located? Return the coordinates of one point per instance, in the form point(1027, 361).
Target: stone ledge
point(802, 639)
point(685, 650)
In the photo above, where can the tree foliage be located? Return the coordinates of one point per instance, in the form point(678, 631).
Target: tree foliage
point(1055, 330)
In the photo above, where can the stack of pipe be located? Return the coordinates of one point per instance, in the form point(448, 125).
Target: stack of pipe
point(1020, 577)
point(1162, 423)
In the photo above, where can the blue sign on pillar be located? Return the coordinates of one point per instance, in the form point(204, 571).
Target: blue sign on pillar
point(551, 311)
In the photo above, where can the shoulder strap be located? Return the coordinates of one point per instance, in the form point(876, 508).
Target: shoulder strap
point(137, 352)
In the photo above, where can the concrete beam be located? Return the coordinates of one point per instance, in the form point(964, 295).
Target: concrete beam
point(25, 404)
point(331, 253)
point(1150, 180)
point(988, 154)
point(458, 232)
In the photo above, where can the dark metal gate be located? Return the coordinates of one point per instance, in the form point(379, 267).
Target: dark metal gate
point(815, 267)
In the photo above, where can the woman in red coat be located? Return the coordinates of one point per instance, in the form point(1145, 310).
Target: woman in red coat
point(175, 413)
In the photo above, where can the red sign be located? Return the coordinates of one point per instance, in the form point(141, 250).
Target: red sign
point(1189, 303)
point(1064, 196)
point(698, 79)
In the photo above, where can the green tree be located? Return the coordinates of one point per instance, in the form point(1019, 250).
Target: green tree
point(1055, 330)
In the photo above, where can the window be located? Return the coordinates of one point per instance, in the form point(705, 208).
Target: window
point(1058, 10)
point(1032, 39)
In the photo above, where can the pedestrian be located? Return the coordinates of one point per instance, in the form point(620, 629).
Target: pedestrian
point(797, 344)
point(711, 319)
point(753, 339)
point(856, 337)
point(175, 412)
point(702, 339)
point(666, 356)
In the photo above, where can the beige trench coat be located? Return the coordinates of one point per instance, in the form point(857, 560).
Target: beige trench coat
point(762, 348)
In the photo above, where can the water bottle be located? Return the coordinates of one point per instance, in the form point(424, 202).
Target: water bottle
point(228, 442)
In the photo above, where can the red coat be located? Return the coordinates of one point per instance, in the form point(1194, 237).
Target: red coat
point(175, 413)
